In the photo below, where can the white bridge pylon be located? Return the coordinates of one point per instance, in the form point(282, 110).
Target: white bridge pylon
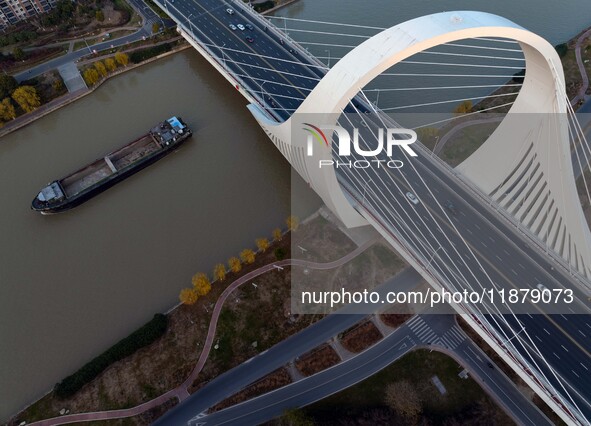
point(525, 165)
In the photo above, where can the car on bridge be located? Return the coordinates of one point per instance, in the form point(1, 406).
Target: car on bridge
point(233, 27)
point(249, 39)
point(450, 206)
point(229, 11)
point(241, 27)
point(249, 26)
point(412, 198)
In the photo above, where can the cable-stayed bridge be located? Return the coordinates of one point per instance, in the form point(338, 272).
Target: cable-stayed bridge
point(517, 220)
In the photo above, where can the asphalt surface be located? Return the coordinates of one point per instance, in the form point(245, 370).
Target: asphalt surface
point(437, 332)
point(553, 345)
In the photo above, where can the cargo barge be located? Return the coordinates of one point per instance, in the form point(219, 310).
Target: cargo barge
point(91, 180)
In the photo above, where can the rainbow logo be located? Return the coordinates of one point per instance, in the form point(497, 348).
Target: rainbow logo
point(316, 133)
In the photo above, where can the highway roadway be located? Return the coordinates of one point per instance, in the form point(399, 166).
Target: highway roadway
point(481, 247)
point(416, 333)
point(436, 330)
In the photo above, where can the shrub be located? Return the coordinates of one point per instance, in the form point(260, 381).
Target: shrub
point(141, 55)
point(561, 49)
point(280, 253)
point(144, 336)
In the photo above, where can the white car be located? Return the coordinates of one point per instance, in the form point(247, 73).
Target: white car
point(241, 27)
point(541, 287)
point(232, 27)
point(229, 11)
point(412, 198)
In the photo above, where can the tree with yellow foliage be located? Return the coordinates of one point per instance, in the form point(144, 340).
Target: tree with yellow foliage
point(247, 256)
point(235, 264)
point(262, 244)
point(219, 272)
point(188, 296)
point(277, 234)
point(7, 111)
point(110, 64)
point(464, 107)
point(27, 98)
point(101, 69)
point(292, 223)
point(90, 76)
point(201, 284)
point(122, 58)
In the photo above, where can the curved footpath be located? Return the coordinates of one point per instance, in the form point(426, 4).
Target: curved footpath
point(581, 94)
point(181, 393)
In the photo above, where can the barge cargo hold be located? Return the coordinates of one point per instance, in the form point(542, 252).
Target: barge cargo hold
point(82, 185)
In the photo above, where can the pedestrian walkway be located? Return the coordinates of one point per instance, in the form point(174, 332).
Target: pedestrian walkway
point(450, 339)
point(71, 76)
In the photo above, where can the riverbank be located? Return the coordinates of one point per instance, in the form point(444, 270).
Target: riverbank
point(67, 99)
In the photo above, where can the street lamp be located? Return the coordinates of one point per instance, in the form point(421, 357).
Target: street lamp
point(365, 189)
point(436, 142)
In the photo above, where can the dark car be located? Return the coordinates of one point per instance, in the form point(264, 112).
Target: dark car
point(249, 39)
point(249, 26)
point(450, 206)
point(490, 365)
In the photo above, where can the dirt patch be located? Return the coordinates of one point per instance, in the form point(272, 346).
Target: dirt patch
point(321, 240)
point(360, 337)
point(396, 315)
point(317, 360)
point(275, 380)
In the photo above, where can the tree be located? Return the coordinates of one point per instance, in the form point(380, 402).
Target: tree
point(402, 397)
point(277, 234)
point(201, 284)
point(295, 417)
point(188, 296)
point(279, 253)
point(91, 76)
point(110, 64)
point(100, 67)
point(219, 272)
point(100, 16)
point(18, 54)
point(58, 85)
point(464, 108)
point(122, 58)
point(7, 111)
point(262, 244)
point(155, 27)
point(247, 256)
point(292, 223)
point(7, 85)
point(27, 98)
point(235, 264)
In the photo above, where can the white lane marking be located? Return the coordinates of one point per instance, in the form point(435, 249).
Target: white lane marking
point(513, 270)
point(556, 355)
point(564, 348)
point(584, 366)
point(547, 332)
point(575, 373)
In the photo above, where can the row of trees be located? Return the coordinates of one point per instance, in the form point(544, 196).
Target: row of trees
point(100, 69)
point(26, 98)
point(201, 283)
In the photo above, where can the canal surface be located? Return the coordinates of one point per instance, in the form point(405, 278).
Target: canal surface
point(71, 284)
point(74, 283)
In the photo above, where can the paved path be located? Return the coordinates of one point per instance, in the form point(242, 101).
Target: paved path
point(460, 126)
point(581, 94)
point(181, 393)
